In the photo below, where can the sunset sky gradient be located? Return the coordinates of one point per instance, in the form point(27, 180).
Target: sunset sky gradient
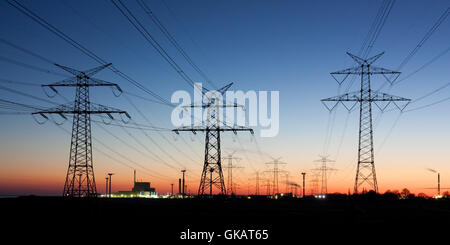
point(286, 46)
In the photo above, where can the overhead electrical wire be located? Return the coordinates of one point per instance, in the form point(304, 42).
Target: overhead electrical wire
point(161, 135)
point(14, 105)
point(154, 154)
point(32, 67)
point(406, 60)
point(424, 39)
point(39, 20)
point(2, 80)
point(172, 40)
point(134, 148)
point(424, 65)
point(26, 51)
point(27, 95)
point(130, 17)
point(149, 172)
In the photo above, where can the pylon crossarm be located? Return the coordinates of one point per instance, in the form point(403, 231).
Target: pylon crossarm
point(195, 129)
point(362, 61)
point(235, 128)
point(377, 96)
point(95, 70)
point(73, 82)
point(352, 70)
point(70, 70)
point(380, 70)
point(86, 73)
point(70, 109)
point(356, 58)
point(211, 105)
point(374, 58)
point(374, 96)
point(390, 75)
point(345, 73)
point(224, 88)
point(353, 96)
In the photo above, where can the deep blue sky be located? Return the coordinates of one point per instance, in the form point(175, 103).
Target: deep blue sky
point(289, 46)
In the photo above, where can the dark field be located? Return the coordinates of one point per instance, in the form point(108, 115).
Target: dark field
point(285, 219)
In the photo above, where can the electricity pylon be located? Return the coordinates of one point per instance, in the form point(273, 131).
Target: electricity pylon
point(314, 182)
point(80, 160)
point(365, 172)
point(275, 172)
point(257, 182)
point(230, 168)
point(323, 173)
point(212, 174)
point(267, 185)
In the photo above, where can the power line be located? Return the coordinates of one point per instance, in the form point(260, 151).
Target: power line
point(144, 169)
point(425, 38)
point(147, 99)
point(155, 158)
point(368, 43)
point(12, 105)
point(32, 67)
point(27, 95)
point(425, 65)
point(428, 105)
point(382, 20)
point(162, 136)
point(2, 80)
point(432, 92)
point(128, 14)
point(36, 18)
point(419, 45)
point(174, 42)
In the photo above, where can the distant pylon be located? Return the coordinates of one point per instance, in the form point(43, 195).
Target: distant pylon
point(257, 183)
point(275, 172)
point(212, 174)
point(267, 185)
point(365, 172)
point(230, 168)
point(80, 161)
point(323, 173)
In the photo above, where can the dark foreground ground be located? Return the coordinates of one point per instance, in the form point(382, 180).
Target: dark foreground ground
point(165, 219)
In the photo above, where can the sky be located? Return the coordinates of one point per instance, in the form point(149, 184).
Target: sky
point(285, 46)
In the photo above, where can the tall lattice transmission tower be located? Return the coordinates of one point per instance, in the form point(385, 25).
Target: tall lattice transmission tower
point(365, 172)
point(80, 180)
point(257, 179)
point(212, 174)
point(230, 166)
point(276, 162)
point(314, 182)
point(324, 173)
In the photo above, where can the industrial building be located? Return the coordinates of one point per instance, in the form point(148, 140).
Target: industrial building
point(140, 189)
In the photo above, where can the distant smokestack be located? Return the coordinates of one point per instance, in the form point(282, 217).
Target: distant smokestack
point(439, 184)
point(183, 171)
point(304, 184)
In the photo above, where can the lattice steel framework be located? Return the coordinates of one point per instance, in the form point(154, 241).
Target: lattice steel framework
point(80, 180)
point(276, 162)
point(324, 173)
point(212, 174)
point(365, 172)
point(230, 167)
